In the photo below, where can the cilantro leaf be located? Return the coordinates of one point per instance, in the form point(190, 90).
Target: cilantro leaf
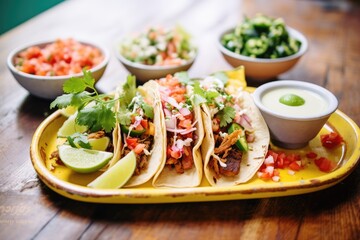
point(74, 85)
point(88, 79)
point(211, 95)
point(98, 117)
point(79, 84)
point(72, 99)
point(129, 91)
point(79, 139)
point(226, 116)
point(199, 95)
point(148, 110)
point(124, 116)
point(183, 77)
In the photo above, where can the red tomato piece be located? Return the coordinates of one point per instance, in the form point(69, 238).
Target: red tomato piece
point(144, 123)
point(131, 142)
point(324, 164)
point(331, 140)
point(294, 166)
point(311, 155)
point(139, 148)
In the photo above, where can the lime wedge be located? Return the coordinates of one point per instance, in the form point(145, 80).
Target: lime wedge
point(68, 111)
point(83, 160)
point(70, 127)
point(99, 144)
point(117, 175)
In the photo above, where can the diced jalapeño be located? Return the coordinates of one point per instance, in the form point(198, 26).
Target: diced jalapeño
point(241, 143)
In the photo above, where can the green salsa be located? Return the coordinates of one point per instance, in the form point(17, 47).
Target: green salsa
point(292, 100)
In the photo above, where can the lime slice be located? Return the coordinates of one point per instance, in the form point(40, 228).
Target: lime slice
point(70, 127)
point(99, 144)
point(68, 111)
point(117, 175)
point(83, 160)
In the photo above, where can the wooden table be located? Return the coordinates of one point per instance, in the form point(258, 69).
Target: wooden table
point(30, 210)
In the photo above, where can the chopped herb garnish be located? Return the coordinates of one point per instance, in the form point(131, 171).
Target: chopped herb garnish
point(98, 116)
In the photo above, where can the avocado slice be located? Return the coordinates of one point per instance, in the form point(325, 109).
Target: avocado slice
point(241, 143)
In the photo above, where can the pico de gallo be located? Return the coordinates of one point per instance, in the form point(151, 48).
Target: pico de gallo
point(295, 162)
point(180, 124)
point(136, 116)
point(159, 46)
point(62, 57)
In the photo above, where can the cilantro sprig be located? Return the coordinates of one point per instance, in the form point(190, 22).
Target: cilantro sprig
point(128, 99)
point(97, 116)
point(79, 139)
point(226, 113)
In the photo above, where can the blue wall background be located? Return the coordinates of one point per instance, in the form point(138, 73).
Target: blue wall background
point(15, 12)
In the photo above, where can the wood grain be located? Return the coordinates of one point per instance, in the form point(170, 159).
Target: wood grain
point(29, 210)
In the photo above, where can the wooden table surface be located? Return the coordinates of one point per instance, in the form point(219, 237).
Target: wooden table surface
point(30, 210)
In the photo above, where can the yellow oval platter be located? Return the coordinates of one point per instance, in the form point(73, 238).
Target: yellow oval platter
point(73, 185)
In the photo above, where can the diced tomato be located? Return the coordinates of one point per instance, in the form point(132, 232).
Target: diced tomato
point(311, 155)
point(273, 154)
point(324, 164)
point(331, 140)
point(27, 67)
point(294, 166)
point(186, 124)
point(64, 56)
point(139, 148)
point(131, 142)
point(264, 175)
point(144, 123)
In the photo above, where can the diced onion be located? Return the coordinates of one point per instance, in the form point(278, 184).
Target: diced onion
point(171, 101)
point(170, 123)
point(275, 178)
point(184, 111)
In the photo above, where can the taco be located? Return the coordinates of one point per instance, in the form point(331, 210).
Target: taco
point(182, 164)
point(236, 135)
point(140, 120)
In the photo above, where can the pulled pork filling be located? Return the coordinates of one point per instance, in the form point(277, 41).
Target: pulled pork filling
point(142, 158)
point(228, 154)
point(179, 160)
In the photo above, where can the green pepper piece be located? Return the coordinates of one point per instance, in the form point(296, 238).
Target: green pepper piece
point(241, 143)
point(133, 133)
point(256, 46)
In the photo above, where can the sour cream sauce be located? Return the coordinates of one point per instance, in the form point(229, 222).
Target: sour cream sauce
point(314, 103)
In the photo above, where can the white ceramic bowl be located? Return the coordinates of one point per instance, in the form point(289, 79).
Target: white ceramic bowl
point(260, 69)
point(144, 72)
point(290, 128)
point(49, 87)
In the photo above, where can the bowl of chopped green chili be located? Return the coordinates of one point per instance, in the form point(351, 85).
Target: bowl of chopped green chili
point(265, 46)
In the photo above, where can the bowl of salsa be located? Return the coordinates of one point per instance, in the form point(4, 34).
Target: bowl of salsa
point(43, 67)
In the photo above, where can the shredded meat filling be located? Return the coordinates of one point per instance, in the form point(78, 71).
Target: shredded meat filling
point(142, 160)
point(228, 141)
point(227, 153)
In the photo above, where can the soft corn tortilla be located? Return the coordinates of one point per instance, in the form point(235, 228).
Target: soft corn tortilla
point(155, 159)
point(166, 177)
point(251, 160)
